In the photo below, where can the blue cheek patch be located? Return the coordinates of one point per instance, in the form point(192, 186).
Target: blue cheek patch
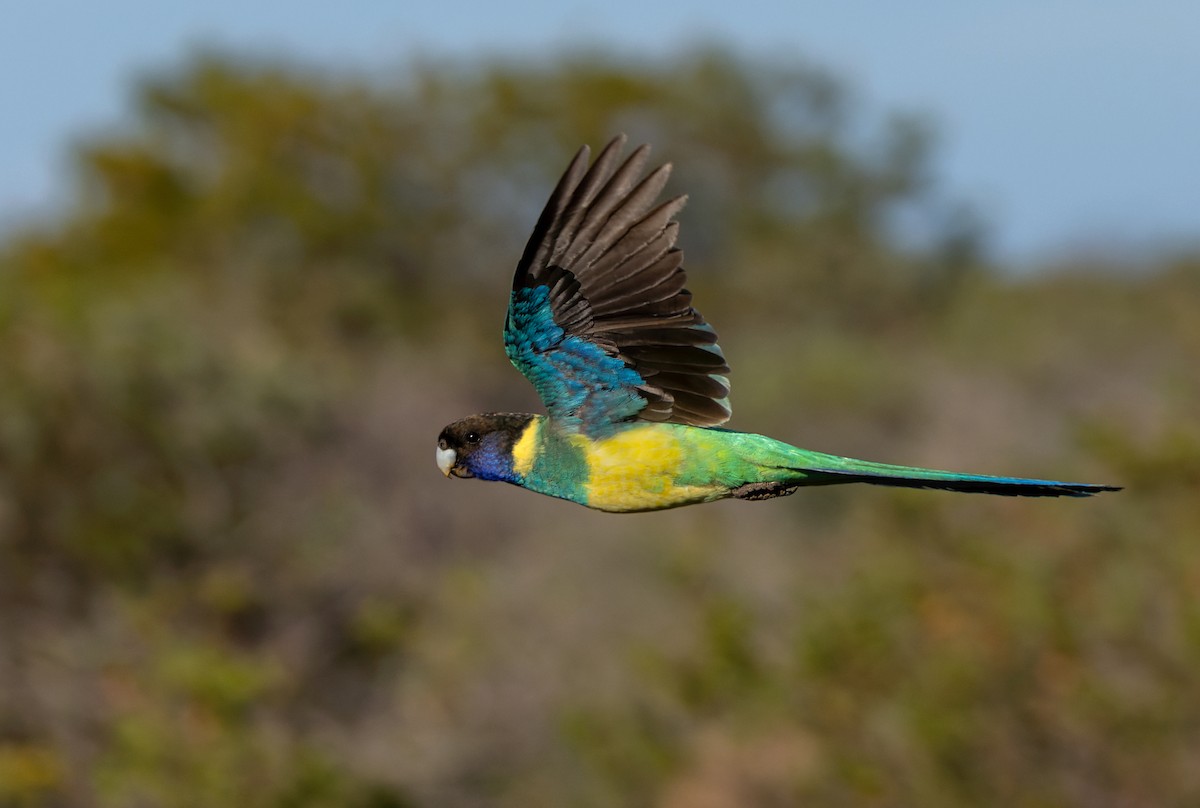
point(491, 462)
point(578, 381)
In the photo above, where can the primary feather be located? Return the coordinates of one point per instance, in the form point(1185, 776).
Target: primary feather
point(605, 253)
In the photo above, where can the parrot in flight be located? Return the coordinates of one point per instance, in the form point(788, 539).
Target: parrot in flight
point(631, 375)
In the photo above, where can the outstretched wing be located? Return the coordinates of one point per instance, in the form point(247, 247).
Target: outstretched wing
point(599, 319)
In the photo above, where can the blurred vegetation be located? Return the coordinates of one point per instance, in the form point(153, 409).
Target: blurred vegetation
point(230, 573)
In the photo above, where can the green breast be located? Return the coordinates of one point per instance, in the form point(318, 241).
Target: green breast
point(552, 463)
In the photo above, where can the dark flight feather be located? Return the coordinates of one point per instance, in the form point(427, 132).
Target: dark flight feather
point(605, 248)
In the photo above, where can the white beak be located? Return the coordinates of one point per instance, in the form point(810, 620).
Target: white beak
point(445, 460)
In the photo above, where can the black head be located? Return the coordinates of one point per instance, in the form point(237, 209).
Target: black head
point(481, 445)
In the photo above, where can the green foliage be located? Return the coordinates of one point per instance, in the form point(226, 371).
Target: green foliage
point(231, 575)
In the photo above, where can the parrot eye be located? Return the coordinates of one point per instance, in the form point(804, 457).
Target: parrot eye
point(472, 437)
point(442, 444)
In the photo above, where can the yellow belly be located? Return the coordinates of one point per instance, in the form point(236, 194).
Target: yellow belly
point(636, 469)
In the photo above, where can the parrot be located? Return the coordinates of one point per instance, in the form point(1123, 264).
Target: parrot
point(631, 376)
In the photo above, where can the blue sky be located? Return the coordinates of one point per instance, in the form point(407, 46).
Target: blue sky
point(1070, 123)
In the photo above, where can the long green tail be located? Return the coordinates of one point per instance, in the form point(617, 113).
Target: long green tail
point(846, 470)
point(758, 467)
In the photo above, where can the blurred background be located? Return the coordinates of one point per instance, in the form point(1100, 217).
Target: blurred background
point(252, 259)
